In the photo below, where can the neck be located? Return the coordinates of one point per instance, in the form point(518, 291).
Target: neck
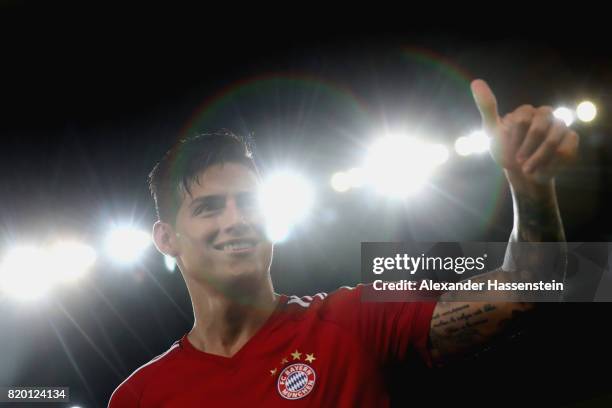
point(224, 322)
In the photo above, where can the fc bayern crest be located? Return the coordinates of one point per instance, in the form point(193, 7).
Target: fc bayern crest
point(296, 381)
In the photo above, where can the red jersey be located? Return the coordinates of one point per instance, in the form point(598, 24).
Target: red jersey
point(319, 351)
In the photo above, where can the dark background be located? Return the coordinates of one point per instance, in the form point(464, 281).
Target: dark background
point(91, 98)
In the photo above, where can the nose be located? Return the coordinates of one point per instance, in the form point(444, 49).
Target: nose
point(236, 220)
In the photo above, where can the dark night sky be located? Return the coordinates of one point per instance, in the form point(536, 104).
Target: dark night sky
point(89, 104)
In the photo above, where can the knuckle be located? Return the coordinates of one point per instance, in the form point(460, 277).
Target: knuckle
point(550, 143)
point(545, 109)
point(537, 131)
point(546, 116)
point(559, 123)
point(523, 120)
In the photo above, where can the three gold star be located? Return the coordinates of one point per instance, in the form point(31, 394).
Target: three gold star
point(296, 355)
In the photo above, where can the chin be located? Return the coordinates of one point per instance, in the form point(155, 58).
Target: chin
point(246, 274)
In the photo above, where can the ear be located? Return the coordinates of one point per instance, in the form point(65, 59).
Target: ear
point(164, 238)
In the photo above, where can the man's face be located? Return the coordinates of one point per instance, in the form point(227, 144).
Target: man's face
point(220, 229)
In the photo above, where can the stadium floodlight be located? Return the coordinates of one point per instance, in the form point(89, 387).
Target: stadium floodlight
point(24, 273)
point(479, 142)
point(438, 154)
point(398, 166)
point(125, 245)
point(476, 142)
point(586, 111)
point(170, 263)
point(356, 177)
point(341, 182)
point(285, 198)
point(69, 260)
point(565, 114)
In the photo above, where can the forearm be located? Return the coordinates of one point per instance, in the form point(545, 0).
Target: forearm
point(536, 212)
point(536, 220)
point(460, 327)
point(531, 146)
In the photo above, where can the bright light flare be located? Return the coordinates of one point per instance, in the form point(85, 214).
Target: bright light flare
point(29, 272)
point(341, 182)
point(285, 198)
point(438, 154)
point(564, 114)
point(24, 273)
point(586, 111)
point(170, 263)
point(126, 245)
point(356, 177)
point(68, 261)
point(399, 166)
point(476, 142)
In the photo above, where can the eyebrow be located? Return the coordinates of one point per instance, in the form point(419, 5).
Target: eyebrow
point(215, 198)
point(207, 199)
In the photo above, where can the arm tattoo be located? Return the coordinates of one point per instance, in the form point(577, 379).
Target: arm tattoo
point(466, 331)
point(461, 330)
point(538, 220)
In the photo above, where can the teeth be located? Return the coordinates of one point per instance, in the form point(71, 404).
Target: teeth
point(237, 246)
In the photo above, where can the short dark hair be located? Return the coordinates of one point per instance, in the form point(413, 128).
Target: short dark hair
point(173, 175)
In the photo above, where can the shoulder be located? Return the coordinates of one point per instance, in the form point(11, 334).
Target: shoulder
point(321, 300)
point(128, 393)
point(325, 305)
point(356, 308)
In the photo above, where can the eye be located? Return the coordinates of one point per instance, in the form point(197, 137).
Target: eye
point(247, 200)
point(209, 206)
point(201, 209)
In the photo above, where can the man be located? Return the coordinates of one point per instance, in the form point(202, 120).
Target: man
point(251, 346)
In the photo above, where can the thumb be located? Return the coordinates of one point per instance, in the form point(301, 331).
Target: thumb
point(486, 103)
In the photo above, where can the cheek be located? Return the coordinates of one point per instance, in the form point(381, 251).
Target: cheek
point(258, 223)
point(266, 253)
point(196, 241)
point(198, 253)
point(202, 230)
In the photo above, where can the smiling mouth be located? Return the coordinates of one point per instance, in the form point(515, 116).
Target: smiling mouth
point(237, 245)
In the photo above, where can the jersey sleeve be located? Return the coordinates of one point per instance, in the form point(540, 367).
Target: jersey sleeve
point(391, 331)
point(128, 394)
point(125, 395)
